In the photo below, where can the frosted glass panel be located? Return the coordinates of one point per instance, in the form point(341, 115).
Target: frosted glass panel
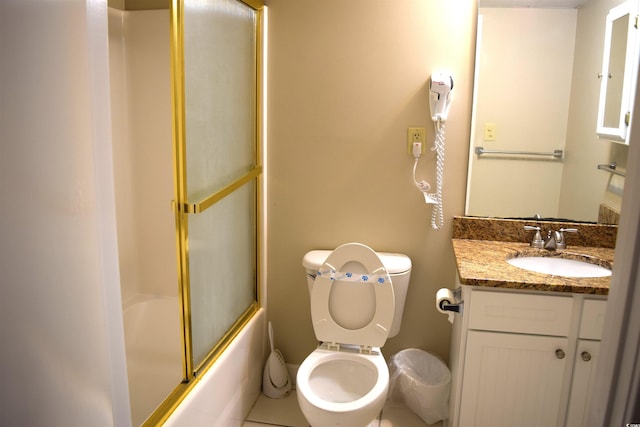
point(220, 93)
point(222, 263)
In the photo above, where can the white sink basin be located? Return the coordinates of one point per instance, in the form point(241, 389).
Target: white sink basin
point(559, 266)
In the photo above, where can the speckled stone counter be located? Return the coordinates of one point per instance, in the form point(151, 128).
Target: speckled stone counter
point(482, 246)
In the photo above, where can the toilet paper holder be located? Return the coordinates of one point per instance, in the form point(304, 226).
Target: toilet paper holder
point(451, 307)
point(454, 307)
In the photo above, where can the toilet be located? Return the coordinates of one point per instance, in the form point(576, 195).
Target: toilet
point(357, 300)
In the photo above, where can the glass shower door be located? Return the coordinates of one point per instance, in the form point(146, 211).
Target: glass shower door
point(217, 159)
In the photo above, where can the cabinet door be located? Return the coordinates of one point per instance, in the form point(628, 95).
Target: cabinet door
point(512, 380)
point(583, 373)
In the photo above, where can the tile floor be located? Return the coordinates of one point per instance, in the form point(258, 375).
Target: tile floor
point(285, 412)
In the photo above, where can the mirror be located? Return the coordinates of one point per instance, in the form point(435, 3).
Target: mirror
point(537, 91)
point(618, 69)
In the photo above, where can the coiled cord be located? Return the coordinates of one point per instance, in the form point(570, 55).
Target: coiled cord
point(437, 215)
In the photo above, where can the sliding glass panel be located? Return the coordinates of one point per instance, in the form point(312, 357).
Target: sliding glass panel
point(222, 266)
point(220, 149)
point(220, 93)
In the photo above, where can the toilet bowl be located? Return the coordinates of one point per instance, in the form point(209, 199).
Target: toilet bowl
point(342, 389)
point(344, 382)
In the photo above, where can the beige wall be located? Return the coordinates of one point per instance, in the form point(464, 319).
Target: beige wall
point(346, 79)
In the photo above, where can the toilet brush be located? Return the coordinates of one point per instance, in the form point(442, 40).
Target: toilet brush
point(275, 379)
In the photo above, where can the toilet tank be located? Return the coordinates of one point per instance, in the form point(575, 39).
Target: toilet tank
point(398, 266)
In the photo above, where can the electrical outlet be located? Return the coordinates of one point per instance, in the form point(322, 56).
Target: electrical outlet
point(489, 131)
point(415, 135)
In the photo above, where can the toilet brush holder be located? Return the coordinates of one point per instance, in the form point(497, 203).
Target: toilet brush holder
point(275, 377)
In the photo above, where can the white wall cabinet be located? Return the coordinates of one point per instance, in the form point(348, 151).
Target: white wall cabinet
point(522, 358)
point(619, 71)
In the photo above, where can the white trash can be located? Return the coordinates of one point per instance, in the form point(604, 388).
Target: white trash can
point(422, 382)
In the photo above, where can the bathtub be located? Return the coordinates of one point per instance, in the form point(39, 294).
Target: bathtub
point(224, 395)
point(154, 352)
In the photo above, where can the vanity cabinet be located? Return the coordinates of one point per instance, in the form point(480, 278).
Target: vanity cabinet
point(523, 358)
point(510, 378)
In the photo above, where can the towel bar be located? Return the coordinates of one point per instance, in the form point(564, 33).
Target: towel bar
point(556, 153)
point(611, 167)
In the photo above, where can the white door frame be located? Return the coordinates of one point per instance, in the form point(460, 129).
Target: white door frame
point(616, 392)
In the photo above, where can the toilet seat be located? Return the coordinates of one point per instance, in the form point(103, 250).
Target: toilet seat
point(327, 330)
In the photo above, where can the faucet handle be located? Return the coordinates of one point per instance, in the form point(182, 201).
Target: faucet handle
point(537, 241)
point(568, 230)
point(561, 242)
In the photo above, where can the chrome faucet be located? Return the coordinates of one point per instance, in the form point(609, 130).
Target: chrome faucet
point(555, 239)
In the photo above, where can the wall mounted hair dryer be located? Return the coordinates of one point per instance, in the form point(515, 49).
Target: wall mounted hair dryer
point(440, 87)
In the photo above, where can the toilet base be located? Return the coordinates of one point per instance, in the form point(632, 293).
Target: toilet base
point(361, 418)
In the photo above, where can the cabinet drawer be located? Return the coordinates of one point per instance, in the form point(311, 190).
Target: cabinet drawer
point(520, 313)
point(592, 320)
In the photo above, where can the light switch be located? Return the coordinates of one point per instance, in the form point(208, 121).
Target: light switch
point(489, 131)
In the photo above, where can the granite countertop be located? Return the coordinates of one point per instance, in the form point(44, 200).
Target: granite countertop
point(481, 257)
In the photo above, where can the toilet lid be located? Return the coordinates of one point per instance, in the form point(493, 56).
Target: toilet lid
point(373, 334)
